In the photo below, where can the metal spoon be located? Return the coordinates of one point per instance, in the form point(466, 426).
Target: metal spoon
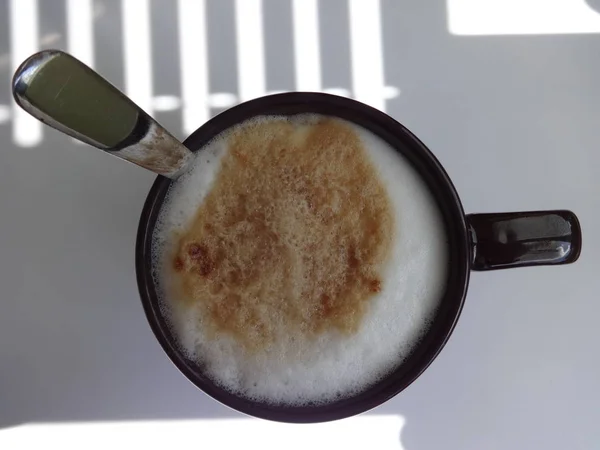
point(66, 94)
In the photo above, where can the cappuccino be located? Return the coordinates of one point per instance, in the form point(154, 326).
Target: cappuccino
point(299, 260)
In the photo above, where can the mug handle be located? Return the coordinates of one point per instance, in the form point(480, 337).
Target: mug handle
point(534, 238)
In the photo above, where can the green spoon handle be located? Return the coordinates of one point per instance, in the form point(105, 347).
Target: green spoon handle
point(67, 95)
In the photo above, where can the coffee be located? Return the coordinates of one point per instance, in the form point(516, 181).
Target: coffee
point(299, 260)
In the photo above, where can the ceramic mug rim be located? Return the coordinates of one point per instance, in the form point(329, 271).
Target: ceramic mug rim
point(458, 240)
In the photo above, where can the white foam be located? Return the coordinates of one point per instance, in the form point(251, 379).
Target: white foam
point(333, 365)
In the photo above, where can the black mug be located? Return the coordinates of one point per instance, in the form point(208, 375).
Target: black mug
point(475, 242)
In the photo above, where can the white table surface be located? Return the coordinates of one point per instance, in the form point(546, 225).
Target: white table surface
point(513, 114)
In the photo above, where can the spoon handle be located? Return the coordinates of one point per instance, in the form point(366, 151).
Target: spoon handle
point(66, 94)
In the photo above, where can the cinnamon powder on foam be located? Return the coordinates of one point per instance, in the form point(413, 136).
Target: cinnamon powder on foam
point(292, 237)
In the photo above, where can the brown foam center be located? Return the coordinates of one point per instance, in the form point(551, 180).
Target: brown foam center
point(292, 237)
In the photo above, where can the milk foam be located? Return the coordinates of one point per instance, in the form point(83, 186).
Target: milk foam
point(333, 365)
